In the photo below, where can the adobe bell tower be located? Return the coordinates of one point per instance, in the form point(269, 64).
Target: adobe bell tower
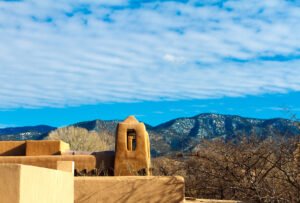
point(132, 148)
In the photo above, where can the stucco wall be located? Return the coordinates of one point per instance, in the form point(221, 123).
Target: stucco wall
point(33, 147)
point(81, 161)
point(12, 148)
point(29, 184)
point(45, 147)
point(129, 189)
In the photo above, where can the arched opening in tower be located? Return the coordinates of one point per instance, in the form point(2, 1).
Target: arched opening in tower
point(131, 140)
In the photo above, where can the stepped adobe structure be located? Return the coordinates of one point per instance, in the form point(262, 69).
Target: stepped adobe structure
point(131, 156)
point(44, 153)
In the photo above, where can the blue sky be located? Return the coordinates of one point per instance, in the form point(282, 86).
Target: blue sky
point(68, 61)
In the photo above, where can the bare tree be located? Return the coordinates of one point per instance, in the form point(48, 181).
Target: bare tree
point(81, 139)
point(250, 170)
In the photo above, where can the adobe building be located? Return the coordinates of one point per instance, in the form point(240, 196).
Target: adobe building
point(132, 150)
point(131, 156)
point(44, 153)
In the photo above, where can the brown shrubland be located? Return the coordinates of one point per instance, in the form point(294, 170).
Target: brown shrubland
point(81, 139)
point(251, 170)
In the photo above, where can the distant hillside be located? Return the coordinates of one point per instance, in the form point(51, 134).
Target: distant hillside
point(181, 134)
point(109, 126)
point(99, 125)
point(25, 133)
point(184, 134)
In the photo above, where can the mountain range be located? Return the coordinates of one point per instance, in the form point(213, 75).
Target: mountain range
point(180, 134)
point(25, 133)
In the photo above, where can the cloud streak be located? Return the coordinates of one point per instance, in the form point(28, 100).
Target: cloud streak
point(86, 52)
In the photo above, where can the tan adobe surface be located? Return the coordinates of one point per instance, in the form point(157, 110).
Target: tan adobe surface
point(67, 166)
point(129, 189)
point(12, 148)
point(46, 147)
point(29, 184)
point(33, 147)
point(82, 162)
point(105, 159)
point(130, 159)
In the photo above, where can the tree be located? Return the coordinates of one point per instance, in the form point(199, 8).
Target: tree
point(81, 139)
point(251, 170)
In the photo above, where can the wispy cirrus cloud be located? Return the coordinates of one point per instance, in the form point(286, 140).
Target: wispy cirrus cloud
point(286, 109)
point(85, 52)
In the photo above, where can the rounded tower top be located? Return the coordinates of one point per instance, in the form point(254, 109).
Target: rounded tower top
point(130, 119)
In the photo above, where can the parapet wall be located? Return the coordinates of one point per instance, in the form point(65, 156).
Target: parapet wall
point(129, 189)
point(46, 147)
point(82, 162)
point(12, 148)
point(29, 184)
point(33, 148)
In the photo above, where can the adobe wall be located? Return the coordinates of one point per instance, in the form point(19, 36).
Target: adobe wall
point(105, 160)
point(33, 147)
point(82, 162)
point(12, 148)
point(129, 189)
point(29, 184)
point(46, 147)
point(10, 183)
point(102, 160)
